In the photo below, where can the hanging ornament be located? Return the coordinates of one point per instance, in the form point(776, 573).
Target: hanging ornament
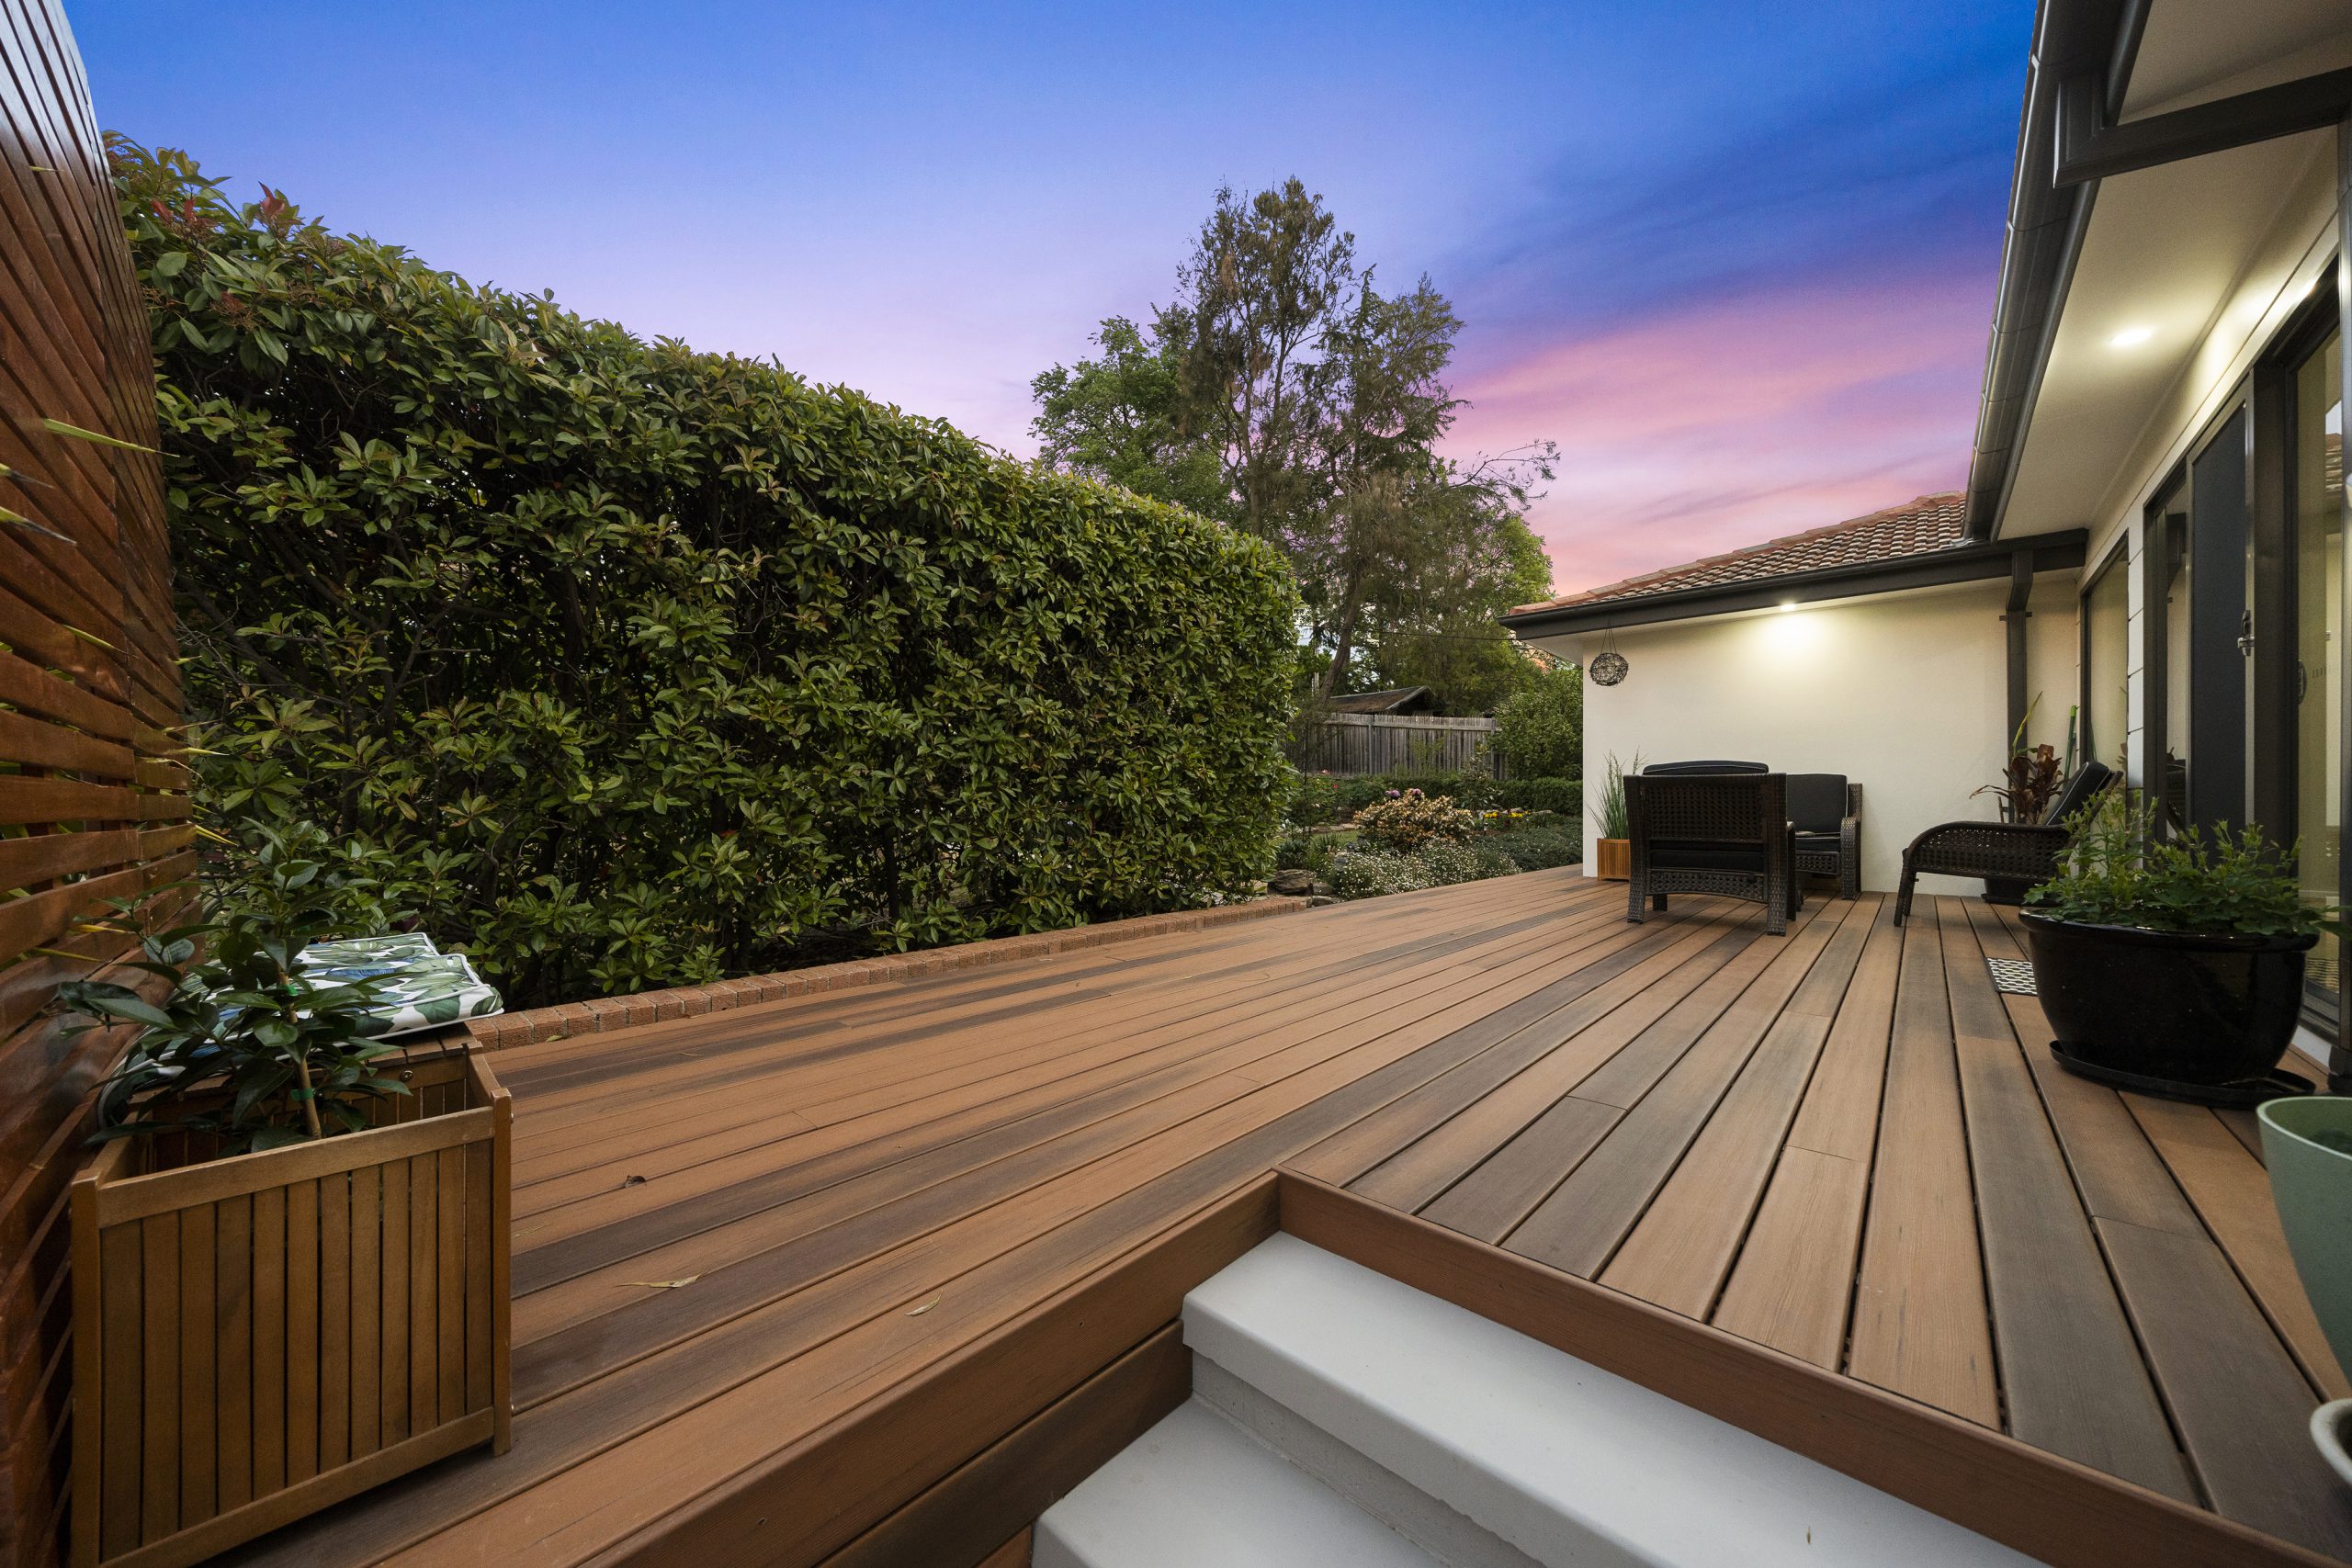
point(1608, 666)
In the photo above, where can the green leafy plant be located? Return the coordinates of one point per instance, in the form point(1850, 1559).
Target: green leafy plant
point(1412, 821)
point(240, 1045)
point(1542, 844)
point(1540, 732)
point(2118, 872)
point(626, 666)
point(1610, 817)
point(1314, 802)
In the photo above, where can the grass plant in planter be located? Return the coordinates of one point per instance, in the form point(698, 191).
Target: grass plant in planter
point(2172, 966)
point(1613, 847)
point(291, 1253)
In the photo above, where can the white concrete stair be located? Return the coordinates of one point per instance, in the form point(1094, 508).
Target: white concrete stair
point(1196, 1489)
point(1457, 1441)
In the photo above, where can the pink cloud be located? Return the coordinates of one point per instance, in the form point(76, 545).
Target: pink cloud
point(1729, 423)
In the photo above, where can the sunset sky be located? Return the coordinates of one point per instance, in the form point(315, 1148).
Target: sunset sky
point(1738, 258)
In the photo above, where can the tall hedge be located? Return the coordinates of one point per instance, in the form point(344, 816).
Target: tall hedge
point(626, 666)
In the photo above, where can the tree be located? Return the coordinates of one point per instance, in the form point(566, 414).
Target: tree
point(1284, 393)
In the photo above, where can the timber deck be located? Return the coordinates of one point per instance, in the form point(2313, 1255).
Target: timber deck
point(866, 1277)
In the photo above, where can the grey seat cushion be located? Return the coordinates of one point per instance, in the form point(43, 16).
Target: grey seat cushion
point(1816, 802)
point(1691, 855)
point(1668, 770)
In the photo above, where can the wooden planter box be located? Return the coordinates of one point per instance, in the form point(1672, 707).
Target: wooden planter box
point(1614, 859)
point(259, 1336)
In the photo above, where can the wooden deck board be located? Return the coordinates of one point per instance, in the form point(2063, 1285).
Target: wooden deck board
point(887, 1242)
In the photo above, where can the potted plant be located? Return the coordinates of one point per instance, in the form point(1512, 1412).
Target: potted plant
point(1613, 844)
point(2027, 783)
point(2172, 966)
point(292, 1244)
point(2307, 1149)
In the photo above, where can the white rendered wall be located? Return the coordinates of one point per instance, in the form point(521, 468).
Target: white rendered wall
point(1906, 694)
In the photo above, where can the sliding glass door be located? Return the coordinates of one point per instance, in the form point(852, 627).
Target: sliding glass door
point(2316, 511)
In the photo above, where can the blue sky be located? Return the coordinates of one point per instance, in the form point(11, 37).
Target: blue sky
point(1737, 258)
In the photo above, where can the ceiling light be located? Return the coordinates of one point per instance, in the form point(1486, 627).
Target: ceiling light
point(2131, 337)
point(1787, 605)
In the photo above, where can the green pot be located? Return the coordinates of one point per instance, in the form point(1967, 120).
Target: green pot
point(2311, 1184)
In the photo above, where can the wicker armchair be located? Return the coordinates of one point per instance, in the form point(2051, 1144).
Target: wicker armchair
point(2000, 851)
point(1718, 833)
point(1826, 809)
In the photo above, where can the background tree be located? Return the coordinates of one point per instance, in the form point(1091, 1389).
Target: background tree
point(1284, 393)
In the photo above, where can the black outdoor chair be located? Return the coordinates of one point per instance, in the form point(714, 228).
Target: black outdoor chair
point(2020, 854)
point(1719, 833)
point(1827, 812)
point(1680, 769)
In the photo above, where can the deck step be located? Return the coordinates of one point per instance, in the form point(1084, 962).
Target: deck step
point(1526, 1450)
point(1196, 1489)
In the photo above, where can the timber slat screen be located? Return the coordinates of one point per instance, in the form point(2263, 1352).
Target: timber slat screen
point(866, 1277)
point(91, 796)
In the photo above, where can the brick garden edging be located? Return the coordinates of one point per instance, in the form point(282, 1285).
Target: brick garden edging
point(653, 1007)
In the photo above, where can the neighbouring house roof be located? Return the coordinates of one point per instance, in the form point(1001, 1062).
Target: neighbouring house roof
point(1921, 543)
point(1403, 699)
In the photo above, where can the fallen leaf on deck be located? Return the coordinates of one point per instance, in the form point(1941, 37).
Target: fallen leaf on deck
point(663, 1284)
point(634, 1181)
point(917, 1312)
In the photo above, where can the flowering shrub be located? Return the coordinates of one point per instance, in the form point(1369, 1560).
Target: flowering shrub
point(1316, 801)
point(1369, 873)
point(1412, 820)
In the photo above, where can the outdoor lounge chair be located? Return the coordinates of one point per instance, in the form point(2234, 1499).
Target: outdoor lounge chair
point(1719, 833)
point(2014, 852)
point(1827, 812)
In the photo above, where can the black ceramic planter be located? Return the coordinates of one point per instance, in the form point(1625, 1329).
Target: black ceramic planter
point(2195, 1011)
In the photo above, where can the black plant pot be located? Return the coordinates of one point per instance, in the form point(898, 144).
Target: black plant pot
point(2191, 1010)
point(2007, 889)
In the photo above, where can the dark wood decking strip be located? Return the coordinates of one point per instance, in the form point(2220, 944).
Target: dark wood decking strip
point(800, 1281)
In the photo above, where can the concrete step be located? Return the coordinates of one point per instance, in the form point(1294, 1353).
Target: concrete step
point(1487, 1446)
point(1197, 1490)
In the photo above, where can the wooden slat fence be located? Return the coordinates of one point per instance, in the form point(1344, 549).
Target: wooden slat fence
point(93, 803)
point(1360, 743)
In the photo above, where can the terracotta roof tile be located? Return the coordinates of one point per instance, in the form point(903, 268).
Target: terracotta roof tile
point(1917, 527)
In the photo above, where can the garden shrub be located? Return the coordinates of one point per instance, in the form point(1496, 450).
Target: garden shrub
point(1542, 847)
point(624, 666)
point(1373, 873)
point(1540, 731)
point(1564, 796)
point(1314, 802)
point(1411, 821)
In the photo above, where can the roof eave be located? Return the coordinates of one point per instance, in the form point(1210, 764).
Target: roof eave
point(2046, 226)
point(1935, 568)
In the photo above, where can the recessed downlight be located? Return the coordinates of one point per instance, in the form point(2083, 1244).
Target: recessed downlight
point(2131, 337)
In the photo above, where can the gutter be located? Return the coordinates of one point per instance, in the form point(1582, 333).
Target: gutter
point(2046, 225)
point(1970, 562)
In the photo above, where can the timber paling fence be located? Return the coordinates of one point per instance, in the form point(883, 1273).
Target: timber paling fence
point(1360, 743)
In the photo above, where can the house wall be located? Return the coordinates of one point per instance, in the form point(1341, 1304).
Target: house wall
point(1906, 694)
point(2294, 257)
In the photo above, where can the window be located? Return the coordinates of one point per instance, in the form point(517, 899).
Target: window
point(2107, 649)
